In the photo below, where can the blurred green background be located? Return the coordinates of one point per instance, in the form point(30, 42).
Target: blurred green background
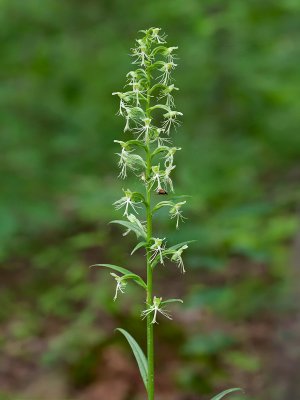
point(239, 91)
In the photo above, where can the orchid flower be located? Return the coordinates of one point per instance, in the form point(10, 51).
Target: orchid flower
point(155, 308)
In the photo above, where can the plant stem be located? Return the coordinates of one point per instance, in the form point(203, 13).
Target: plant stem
point(150, 341)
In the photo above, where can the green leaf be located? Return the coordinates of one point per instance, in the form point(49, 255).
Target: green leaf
point(162, 204)
point(177, 246)
point(136, 143)
point(161, 107)
point(180, 197)
point(160, 150)
point(128, 274)
point(156, 50)
point(172, 301)
point(157, 86)
point(136, 196)
point(129, 225)
point(138, 246)
point(221, 395)
point(139, 355)
point(123, 271)
point(136, 278)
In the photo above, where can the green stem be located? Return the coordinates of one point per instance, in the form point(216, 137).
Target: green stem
point(150, 340)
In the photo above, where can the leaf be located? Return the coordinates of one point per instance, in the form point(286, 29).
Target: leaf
point(138, 246)
point(159, 150)
point(161, 107)
point(139, 355)
point(172, 301)
point(123, 271)
point(221, 395)
point(136, 278)
point(156, 86)
point(156, 50)
point(138, 196)
point(136, 143)
point(180, 197)
point(129, 225)
point(162, 204)
point(128, 274)
point(177, 246)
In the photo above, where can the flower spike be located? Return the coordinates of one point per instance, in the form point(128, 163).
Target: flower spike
point(147, 106)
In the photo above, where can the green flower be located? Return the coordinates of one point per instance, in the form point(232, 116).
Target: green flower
point(120, 285)
point(176, 257)
point(157, 248)
point(176, 212)
point(126, 201)
point(155, 308)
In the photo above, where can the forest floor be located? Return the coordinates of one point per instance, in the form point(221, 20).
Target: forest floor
point(115, 376)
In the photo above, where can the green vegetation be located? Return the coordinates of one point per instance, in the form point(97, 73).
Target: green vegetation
point(239, 79)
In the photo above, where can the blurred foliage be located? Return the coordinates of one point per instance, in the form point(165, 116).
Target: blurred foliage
point(239, 78)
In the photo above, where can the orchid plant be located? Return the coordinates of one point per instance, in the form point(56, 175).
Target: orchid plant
point(148, 108)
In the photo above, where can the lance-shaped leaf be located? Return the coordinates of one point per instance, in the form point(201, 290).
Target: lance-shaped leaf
point(127, 274)
point(181, 197)
point(138, 143)
point(138, 246)
point(157, 86)
point(138, 354)
point(177, 246)
point(158, 49)
point(162, 204)
point(136, 196)
point(155, 65)
point(221, 395)
point(160, 150)
point(136, 278)
point(131, 226)
point(161, 107)
point(172, 301)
